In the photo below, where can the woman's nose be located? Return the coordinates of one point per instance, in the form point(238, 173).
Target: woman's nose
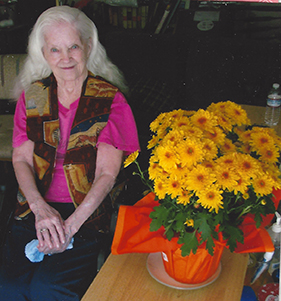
point(66, 55)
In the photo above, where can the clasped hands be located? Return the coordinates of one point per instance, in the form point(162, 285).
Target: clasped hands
point(53, 233)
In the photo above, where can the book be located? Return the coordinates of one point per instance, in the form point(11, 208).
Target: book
point(124, 17)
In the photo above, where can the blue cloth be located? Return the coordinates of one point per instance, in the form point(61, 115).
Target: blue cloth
point(248, 294)
point(32, 253)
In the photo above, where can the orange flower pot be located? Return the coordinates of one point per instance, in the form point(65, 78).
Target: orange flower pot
point(194, 268)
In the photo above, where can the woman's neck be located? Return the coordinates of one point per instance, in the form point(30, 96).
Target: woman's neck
point(69, 91)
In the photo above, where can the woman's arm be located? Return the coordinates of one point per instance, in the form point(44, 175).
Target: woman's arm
point(109, 160)
point(45, 216)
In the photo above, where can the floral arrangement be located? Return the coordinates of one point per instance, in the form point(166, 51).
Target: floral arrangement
point(208, 169)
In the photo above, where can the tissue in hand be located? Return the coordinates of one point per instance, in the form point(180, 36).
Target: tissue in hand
point(33, 254)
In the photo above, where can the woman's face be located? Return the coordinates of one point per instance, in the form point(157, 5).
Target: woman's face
point(65, 53)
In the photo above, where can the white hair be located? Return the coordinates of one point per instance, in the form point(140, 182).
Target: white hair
point(36, 67)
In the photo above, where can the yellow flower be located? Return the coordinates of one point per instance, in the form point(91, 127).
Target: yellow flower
point(191, 131)
point(241, 186)
point(247, 166)
point(131, 158)
point(189, 223)
point(210, 148)
point(154, 170)
point(229, 160)
point(263, 185)
point(184, 197)
point(173, 187)
point(181, 122)
point(210, 198)
point(173, 137)
point(199, 178)
point(224, 122)
point(153, 142)
point(263, 202)
point(217, 135)
point(204, 120)
point(190, 152)
point(154, 125)
point(226, 177)
point(236, 113)
point(159, 188)
point(167, 156)
point(260, 140)
point(269, 155)
point(227, 146)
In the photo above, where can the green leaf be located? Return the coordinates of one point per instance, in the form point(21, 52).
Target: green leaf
point(158, 216)
point(203, 227)
point(190, 243)
point(210, 245)
point(233, 236)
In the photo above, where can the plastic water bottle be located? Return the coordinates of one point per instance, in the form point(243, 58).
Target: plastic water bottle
point(273, 106)
point(275, 232)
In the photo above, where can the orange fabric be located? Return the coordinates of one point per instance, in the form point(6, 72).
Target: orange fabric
point(132, 234)
point(195, 268)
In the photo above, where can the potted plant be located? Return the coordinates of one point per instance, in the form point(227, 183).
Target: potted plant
point(208, 169)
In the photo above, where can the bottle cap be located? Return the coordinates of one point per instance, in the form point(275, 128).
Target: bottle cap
point(276, 227)
point(268, 256)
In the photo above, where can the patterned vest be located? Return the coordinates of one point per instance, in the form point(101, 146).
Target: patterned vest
point(80, 159)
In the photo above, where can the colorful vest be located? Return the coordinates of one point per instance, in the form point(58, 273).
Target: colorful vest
point(80, 159)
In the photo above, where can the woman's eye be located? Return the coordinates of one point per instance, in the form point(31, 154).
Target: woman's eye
point(74, 47)
point(54, 50)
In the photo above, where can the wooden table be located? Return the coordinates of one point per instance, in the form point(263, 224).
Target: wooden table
point(126, 278)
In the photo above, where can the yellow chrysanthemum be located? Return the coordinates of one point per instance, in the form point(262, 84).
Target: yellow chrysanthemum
point(173, 187)
point(260, 140)
point(241, 186)
point(247, 166)
point(159, 188)
point(167, 157)
point(210, 198)
point(154, 170)
point(153, 142)
point(228, 160)
point(181, 122)
point(191, 131)
point(217, 135)
point(190, 152)
point(131, 158)
point(227, 146)
point(154, 125)
point(263, 185)
point(199, 178)
point(224, 122)
point(236, 114)
point(226, 177)
point(204, 120)
point(173, 137)
point(269, 155)
point(189, 223)
point(184, 197)
point(274, 173)
point(209, 164)
point(210, 148)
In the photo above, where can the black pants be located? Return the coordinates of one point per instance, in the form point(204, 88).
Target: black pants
point(63, 277)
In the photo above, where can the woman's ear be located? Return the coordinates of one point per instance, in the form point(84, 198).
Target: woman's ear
point(90, 46)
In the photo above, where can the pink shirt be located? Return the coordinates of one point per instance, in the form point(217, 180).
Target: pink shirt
point(120, 132)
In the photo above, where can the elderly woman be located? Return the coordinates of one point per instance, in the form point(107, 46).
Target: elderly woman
point(72, 128)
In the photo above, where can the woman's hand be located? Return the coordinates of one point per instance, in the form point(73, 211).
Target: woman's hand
point(49, 229)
